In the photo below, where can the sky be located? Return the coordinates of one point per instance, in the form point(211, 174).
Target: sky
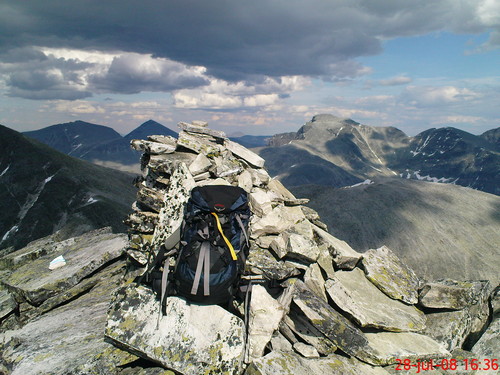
point(256, 67)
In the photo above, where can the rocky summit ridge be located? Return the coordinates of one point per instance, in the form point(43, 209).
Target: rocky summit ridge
point(316, 306)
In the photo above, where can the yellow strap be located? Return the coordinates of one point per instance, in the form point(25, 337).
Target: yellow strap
point(231, 249)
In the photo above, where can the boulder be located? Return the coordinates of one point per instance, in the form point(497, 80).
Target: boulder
point(277, 221)
point(393, 277)
point(286, 363)
point(190, 339)
point(369, 307)
point(452, 294)
point(35, 282)
point(261, 201)
point(265, 316)
point(262, 262)
point(150, 198)
point(313, 278)
point(200, 165)
point(344, 256)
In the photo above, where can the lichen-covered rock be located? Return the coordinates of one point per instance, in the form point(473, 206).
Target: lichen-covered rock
point(143, 221)
point(450, 328)
point(201, 144)
point(35, 282)
point(67, 340)
point(7, 303)
point(262, 262)
point(264, 318)
point(150, 198)
point(353, 293)
point(488, 346)
point(190, 339)
point(452, 294)
point(286, 363)
point(304, 329)
point(334, 326)
point(384, 269)
point(172, 210)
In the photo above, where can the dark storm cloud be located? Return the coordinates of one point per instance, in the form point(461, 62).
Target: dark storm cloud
point(233, 40)
point(31, 74)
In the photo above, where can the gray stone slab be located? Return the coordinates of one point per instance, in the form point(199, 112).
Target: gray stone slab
point(35, 282)
point(190, 339)
point(355, 294)
point(67, 340)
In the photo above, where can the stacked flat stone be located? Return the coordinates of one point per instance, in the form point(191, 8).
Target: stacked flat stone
point(334, 308)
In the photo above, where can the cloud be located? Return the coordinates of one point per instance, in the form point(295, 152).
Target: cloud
point(392, 81)
point(239, 40)
point(429, 96)
point(220, 94)
point(132, 73)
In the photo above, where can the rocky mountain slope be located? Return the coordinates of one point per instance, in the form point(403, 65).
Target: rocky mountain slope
point(96, 143)
point(433, 227)
point(340, 152)
point(316, 304)
point(43, 191)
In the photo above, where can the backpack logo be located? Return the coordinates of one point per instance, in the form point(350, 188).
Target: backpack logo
point(219, 207)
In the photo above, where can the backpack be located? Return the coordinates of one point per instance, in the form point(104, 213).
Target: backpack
point(212, 248)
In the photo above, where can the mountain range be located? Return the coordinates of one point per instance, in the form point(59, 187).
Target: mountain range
point(103, 145)
point(341, 152)
point(43, 191)
point(97, 143)
point(435, 228)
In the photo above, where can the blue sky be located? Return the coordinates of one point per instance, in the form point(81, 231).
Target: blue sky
point(256, 68)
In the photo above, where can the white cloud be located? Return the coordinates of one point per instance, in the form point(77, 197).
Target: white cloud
point(435, 96)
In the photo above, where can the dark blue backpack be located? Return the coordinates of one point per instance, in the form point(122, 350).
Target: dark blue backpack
point(213, 247)
point(214, 244)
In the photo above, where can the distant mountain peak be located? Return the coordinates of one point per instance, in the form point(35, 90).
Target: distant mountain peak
point(325, 117)
point(149, 127)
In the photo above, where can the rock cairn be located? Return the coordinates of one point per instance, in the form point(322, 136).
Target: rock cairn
point(321, 304)
point(74, 307)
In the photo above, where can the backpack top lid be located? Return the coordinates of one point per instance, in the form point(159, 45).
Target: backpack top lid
point(219, 198)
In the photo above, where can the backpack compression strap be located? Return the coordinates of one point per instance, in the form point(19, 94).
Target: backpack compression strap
point(231, 249)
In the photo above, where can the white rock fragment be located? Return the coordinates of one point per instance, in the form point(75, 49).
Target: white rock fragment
point(57, 263)
point(265, 316)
